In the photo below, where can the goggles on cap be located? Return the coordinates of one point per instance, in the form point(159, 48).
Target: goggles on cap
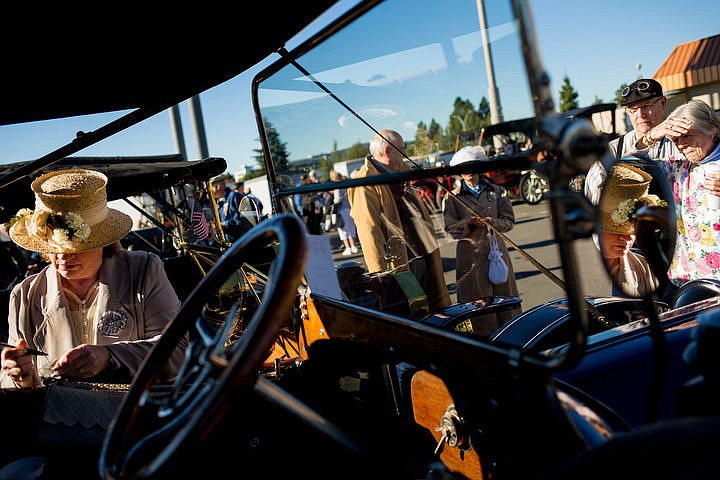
point(640, 87)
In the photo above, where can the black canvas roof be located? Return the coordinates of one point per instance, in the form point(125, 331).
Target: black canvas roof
point(65, 60)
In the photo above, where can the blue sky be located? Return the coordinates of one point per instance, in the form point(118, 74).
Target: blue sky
point(597, 44)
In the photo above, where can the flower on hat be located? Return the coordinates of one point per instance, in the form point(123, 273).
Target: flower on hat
point(64, 228)
point(23, 212)
point(70, 227)
point(625, 212)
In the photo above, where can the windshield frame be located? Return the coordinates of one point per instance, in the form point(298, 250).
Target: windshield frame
point(544, 129)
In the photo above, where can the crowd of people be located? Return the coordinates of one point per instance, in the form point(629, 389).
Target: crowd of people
point(395, 232)
point(95, 310)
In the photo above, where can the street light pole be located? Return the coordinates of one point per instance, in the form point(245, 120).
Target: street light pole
point(496, 115)
point(493, 96)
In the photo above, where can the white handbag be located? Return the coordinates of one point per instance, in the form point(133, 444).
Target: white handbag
point(498, 270)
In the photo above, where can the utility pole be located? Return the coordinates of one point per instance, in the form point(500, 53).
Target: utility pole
point(176, 125)
point(496, 115)
point(199, 126)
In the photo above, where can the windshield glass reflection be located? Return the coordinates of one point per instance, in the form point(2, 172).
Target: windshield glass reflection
point(358, 108)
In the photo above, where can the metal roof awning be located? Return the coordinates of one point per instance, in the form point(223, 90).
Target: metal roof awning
point(691, 64)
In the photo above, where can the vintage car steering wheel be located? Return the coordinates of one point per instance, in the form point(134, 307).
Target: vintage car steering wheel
point(155, 420)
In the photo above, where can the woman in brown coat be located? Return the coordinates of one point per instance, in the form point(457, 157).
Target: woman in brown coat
point(492, 203)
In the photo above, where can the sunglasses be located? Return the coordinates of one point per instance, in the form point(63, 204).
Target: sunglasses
point(640, 87)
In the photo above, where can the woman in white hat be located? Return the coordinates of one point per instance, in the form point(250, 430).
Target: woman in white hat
point(490, 204)
point(96, 310)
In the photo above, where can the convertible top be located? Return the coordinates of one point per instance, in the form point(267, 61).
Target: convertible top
point(62, 62)
point(67, 63)
point(127, 176)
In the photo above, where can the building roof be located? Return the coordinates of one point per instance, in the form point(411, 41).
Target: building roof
point(691, 64)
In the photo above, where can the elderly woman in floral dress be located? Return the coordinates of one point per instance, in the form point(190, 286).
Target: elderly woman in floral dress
point(695, 129)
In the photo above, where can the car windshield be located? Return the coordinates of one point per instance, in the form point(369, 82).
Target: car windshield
point(430, 82)
point(424, 70)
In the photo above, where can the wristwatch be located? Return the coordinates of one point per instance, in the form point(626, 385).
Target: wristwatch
point(648, 140)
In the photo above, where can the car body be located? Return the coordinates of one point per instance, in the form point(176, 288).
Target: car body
point(302, 361)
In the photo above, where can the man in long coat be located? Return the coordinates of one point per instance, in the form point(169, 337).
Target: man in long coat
point(394, 227)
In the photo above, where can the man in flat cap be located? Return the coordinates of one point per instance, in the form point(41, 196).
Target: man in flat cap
point(645, 104)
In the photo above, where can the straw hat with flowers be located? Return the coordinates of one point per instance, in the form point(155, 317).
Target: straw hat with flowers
point(71, 214)
point(625, 191)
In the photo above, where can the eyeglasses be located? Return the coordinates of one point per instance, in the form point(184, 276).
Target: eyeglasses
point(634, 110)
point(640, 87)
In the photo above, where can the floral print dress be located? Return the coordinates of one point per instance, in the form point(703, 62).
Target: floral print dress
point(697, 252)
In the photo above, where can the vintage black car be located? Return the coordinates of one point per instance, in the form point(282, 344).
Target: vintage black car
point(304, 362)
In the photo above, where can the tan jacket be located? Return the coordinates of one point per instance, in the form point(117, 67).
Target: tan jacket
point(376, 218)
point(133, 283)
point(375, 211)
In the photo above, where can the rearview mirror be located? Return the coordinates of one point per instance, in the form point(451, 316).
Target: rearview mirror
point(636, 226)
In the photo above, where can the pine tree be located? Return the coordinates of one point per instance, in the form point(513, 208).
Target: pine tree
point(435, 131)
point(421, 132)
point(568, 96)
point(484, 110)
point(278, 151)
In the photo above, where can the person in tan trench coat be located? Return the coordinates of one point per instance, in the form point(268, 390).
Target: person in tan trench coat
point(393, 223)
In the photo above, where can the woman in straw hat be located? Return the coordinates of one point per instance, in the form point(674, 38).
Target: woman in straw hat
point(95, 309)
point(625, 191)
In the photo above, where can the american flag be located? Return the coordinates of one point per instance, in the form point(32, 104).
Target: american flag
point(199, 222)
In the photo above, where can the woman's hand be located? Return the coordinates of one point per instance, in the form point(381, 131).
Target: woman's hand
point(477, 221)
point(712, 181)
point(18, 365)
point(672, 127)
point(83, 361)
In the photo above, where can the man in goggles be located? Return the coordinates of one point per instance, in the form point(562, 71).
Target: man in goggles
point(645, 104)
